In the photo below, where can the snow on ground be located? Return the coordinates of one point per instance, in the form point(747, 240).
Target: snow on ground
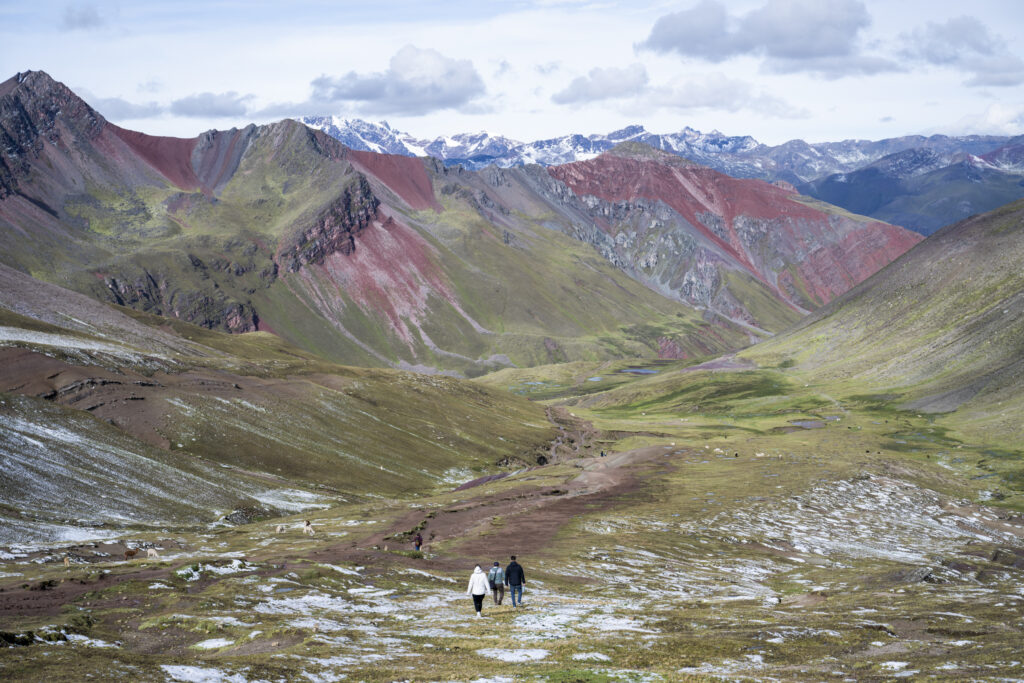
point(214, 644)
point(195, 572)
point(591, 657)
point(522, 655)
point(87, 641)
point(198, 674)
point(411, 570)
point(843, 519)
point(293, 500)
point(10, 335)
point(456, 475)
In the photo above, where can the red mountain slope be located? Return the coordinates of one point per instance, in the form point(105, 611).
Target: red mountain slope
point(807, 253)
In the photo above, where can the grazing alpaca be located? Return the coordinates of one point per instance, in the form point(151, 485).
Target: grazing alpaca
point(130, 553)
point(67, 562)
point(307, 528)
point(151, 552)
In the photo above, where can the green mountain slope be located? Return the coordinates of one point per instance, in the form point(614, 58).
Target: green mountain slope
point(112, 420)
point(379, 260)
point(360, 258)
point(941, 328)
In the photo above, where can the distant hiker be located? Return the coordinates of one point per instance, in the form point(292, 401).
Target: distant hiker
point(417, 542)
point(478, 588)
point(497, 579)
point(515, 579)
point(602, 454)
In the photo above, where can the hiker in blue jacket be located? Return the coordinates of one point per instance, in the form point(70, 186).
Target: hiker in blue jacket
point(515, 579)
point(497, 578)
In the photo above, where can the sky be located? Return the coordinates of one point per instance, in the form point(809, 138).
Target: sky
point(820, 70)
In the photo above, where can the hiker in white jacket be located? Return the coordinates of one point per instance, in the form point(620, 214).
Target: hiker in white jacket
point(478, 588)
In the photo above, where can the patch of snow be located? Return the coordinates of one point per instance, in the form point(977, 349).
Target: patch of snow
point(18, 335)
point(456, 475)
point(315, 624)
point(294, 500)
point(411, 570)
point(85, 640)
point(368, 592)
point(521, 655)
point(341, 570)
point(591, 657)
point(213, 644)
point(197, 674)
point(195, 572)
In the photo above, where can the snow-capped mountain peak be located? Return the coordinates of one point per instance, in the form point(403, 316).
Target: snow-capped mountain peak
point(795, 161)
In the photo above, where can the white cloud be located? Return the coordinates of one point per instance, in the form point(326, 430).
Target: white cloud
point(118, 108)
point(834, 66)
point(80, 16)
point(417, 81)
point(996, 119)
point(208, 104)
point(814, 36)
point(966, 44)
point(718, 92)
point(603, 84)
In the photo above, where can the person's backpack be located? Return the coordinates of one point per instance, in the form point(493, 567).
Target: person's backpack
point(496, 576)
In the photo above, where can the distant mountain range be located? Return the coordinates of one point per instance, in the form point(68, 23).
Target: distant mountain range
point(926, 189)
point(387, 260)
point(869, 171)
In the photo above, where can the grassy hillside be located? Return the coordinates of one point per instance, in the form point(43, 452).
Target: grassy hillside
point(305, 242)
point(139, 408)
point(939, 330)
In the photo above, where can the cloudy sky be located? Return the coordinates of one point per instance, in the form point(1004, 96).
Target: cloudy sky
point(530, 69)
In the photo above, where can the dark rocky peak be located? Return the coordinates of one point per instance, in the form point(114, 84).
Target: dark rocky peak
point(32, 100)
point(912, 162)
point(627, 132)
point(34, 110)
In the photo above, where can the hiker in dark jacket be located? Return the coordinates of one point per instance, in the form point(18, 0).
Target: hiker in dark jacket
point(417, 542)
point(497, 578)
point(515, 579)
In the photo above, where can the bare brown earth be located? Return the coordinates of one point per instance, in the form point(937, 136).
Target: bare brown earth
point(172, 157)
point(524, 521)
point(129, 400)
point(405, 176)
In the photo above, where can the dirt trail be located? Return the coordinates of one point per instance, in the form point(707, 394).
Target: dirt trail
point(525, 520)
point(575, 435)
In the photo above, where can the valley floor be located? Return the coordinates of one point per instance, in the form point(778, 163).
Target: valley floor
point(788, 544)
